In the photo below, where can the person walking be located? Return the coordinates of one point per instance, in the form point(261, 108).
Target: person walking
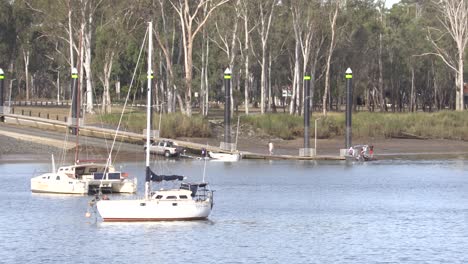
point(270, 147)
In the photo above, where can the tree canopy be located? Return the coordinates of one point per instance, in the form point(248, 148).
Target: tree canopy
point(409, 57)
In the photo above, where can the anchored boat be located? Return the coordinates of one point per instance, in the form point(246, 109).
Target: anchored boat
point(83, 179)
point(187, 201)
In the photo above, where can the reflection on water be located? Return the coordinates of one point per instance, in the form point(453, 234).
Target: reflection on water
point(393, 211)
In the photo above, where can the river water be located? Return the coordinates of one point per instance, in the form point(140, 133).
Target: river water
point(389, 211)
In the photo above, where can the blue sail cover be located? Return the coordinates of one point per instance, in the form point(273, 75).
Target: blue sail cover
point(150, 175)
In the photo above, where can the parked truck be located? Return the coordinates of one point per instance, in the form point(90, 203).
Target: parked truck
point(166, 147)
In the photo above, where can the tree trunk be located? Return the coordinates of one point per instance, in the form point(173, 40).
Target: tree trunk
point(459, 75)
point(106, 100)
point(87, 46)
point(70, 35)
point(187, 20)
point(270, 97)
point(328, 65)
point(412, 100)
point(246, 59)
point(381, 83)
point(26, 72)
point(296, 80)
point(207, 84)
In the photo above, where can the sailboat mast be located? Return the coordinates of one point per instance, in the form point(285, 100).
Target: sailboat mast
point(148, 109)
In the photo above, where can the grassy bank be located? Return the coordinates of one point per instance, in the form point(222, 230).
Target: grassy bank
point(172, 125)
point(439, 125)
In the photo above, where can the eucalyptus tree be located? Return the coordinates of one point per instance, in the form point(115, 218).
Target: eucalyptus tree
point(38, 51)
point(88, 9)
point(111, 35)
point(24, 26)
point(363, 48)
point(192, 20)
point(57, 22)
point(333, 15)
point(380, 86)
point(204, 75)
point(166, 29)
point(453, 19)
point(7, 35)
point(246, 10)
point(279, 40)
point(227, 38)
point(309, 39)
point(263, 19)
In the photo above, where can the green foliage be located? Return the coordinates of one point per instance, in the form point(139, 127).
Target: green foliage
point(279, 125)
point(7, 34)
point(172, 125)
point(440, 125)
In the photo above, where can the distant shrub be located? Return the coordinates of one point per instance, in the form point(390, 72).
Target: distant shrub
point(172, 125)
point(440, 125)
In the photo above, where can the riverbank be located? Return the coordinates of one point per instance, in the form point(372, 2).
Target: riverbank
point(17, 150)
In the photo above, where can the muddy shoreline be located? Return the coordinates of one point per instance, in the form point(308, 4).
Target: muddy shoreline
point(16, 150)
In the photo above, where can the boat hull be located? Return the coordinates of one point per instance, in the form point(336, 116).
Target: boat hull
point(41, 184)
point(63, 182)
point(224, 156)
point(153, 210)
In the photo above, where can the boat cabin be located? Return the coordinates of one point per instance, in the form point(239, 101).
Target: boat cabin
point(95, 170)
point(196, 191)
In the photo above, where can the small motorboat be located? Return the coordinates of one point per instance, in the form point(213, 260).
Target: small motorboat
point(229, 157)
point(361, 153)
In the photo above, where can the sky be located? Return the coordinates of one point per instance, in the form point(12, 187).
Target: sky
point(390, 3)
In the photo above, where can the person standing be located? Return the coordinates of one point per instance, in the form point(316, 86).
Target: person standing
point(270, 147)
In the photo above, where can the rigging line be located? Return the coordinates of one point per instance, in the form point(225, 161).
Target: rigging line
point(102, 123)
point(126, 99)
point(67, 134)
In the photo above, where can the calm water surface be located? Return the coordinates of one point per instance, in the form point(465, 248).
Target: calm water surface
point(388, 211)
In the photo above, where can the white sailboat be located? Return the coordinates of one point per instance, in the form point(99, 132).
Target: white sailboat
point(190, 201)
point(83, 178)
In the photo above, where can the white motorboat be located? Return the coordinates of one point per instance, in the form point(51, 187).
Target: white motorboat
point(188, 201)
point(228, 157)
point(84, 178)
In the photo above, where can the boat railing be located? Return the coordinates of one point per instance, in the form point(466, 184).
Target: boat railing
point(203, 194)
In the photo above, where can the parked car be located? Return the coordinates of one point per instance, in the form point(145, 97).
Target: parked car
point(166, 147)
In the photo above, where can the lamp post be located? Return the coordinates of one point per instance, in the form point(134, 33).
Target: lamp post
point(306, 110)
point(349, 106)
point(75, 101)
point(227, 106)
point(11, 87)
point(2, 109)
